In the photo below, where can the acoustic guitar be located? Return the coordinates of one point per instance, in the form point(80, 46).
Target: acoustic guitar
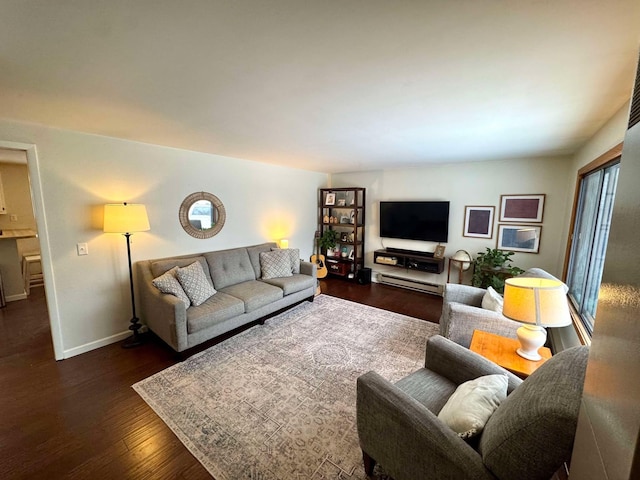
point(318, 259)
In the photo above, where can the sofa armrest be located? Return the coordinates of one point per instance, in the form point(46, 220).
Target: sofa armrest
point(308, 268)
point(463, 320)
point(407, 439)
point(460, 364)
point(164, 314)
point(464, 294)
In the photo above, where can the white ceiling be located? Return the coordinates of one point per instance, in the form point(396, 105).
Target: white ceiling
point(325, 85)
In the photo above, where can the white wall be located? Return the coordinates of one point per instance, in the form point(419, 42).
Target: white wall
point(79, 173)
point(479, 183)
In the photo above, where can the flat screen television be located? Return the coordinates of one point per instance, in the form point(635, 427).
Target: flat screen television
point(427, 221)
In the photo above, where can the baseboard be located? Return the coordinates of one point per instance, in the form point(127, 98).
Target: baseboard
point(15, 298)
point(103, 342)
point(421, 286)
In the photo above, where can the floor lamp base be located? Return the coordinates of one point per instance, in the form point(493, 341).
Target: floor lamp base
point(136, 339)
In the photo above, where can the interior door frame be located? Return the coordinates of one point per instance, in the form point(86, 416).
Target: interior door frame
point(37, 199)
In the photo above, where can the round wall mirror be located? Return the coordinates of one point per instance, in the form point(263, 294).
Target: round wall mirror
point(202, 215)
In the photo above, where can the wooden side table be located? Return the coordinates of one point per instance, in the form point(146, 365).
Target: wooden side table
point(502, 351)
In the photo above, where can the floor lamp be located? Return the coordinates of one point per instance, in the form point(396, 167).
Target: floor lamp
point(127, 218)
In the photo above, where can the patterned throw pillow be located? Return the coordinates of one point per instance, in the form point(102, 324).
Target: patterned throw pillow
point(294, 256)
point(167, 283)
point(195, 283)
point(275, 264)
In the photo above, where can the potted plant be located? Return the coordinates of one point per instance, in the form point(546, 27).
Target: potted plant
point(328, 240)
point(492, 267)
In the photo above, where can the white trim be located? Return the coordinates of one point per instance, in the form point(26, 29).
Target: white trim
point(16, 297)
point(45, 248)
point(103, 342)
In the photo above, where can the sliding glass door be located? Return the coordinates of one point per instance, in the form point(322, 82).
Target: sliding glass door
point(590, 236)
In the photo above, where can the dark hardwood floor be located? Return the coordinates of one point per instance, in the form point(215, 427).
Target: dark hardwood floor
point(79, 418)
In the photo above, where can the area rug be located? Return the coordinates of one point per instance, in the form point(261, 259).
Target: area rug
point(278, 400)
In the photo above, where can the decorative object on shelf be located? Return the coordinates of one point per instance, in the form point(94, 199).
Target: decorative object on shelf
point(342, 202)
point(344, 252)
point(351, 254)
point(325, 219)
point(352, 217)
point(478, 222)
point(463, 260)
point(539, 303)
point(344, 219)
point(522, 208)
point(344, 237)
point(491, 267)
point(330, 199)
point(439, 251)
point(128, 218)
point(351, 238)
point(202, 215)
point(519, 238)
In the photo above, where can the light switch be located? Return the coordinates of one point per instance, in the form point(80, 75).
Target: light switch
point(82, 248)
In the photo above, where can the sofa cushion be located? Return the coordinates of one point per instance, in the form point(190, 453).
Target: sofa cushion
point(254, 293)
point(254, 255)
point(473, 402)
point(229, 267)
point(294, 257)
point(275, 264)
point(427, 387)
point(195, 283)
point(168, 283)
point(492, 300)
point(215, 309)
point(292, 284)
point(545, 405)
point(158, 267)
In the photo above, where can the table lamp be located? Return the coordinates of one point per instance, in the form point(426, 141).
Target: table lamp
point(126, 218)
point(539, 303)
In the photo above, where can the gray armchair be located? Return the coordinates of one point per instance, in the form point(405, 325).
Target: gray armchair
point(462, 312)
point(528, 437)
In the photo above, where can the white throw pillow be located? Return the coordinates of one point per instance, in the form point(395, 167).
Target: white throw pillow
point(275, 264)
point(195, 283)
point(469, 408)
point(167, 283)
point(492, 300)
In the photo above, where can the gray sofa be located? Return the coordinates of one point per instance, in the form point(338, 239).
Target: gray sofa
point(242, 295)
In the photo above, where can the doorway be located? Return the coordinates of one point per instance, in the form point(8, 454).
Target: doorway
point(43, 302)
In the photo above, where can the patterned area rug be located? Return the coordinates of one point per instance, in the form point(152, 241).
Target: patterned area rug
point(278, 400)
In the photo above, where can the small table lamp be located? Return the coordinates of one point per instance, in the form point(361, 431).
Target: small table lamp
point(538, 302)
point(126, 218)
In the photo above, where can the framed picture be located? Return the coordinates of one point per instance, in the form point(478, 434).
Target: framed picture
point(439, 252)
point(521, 208)
point(478, 222)
point(519, 238)
point(330, 199)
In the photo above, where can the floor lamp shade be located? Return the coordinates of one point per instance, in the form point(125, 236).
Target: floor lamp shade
point(127, 218)
point(537, 302)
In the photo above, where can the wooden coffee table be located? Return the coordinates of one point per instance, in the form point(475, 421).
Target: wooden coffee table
point(502, 350)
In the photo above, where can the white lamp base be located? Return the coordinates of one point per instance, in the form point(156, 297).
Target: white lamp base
point(531, 338)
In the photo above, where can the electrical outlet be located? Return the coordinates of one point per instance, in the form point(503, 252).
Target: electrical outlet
point(13, 217)
point(82, 248)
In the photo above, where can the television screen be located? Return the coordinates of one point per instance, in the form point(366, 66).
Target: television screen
point(427, 221)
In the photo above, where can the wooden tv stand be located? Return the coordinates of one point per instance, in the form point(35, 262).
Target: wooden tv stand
point(409, 259)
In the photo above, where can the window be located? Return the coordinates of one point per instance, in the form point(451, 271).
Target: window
point(592, 220)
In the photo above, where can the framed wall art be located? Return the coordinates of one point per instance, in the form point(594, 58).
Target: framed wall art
point(330, 199)
point(519, 238)
point(478, 222)
point(521, 208)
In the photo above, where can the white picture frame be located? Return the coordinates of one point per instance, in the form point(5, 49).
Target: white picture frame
point(519, 238)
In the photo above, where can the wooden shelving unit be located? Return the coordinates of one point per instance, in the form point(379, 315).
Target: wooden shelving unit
point(343, 210)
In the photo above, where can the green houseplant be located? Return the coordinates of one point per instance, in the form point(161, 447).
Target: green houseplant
point(328, 240)
point(492, 267)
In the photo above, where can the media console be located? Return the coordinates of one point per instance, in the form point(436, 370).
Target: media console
point(411, 261)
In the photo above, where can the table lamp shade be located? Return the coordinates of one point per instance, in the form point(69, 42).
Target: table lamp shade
point(125, 218)
point(538, 301)
point(284, 243)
